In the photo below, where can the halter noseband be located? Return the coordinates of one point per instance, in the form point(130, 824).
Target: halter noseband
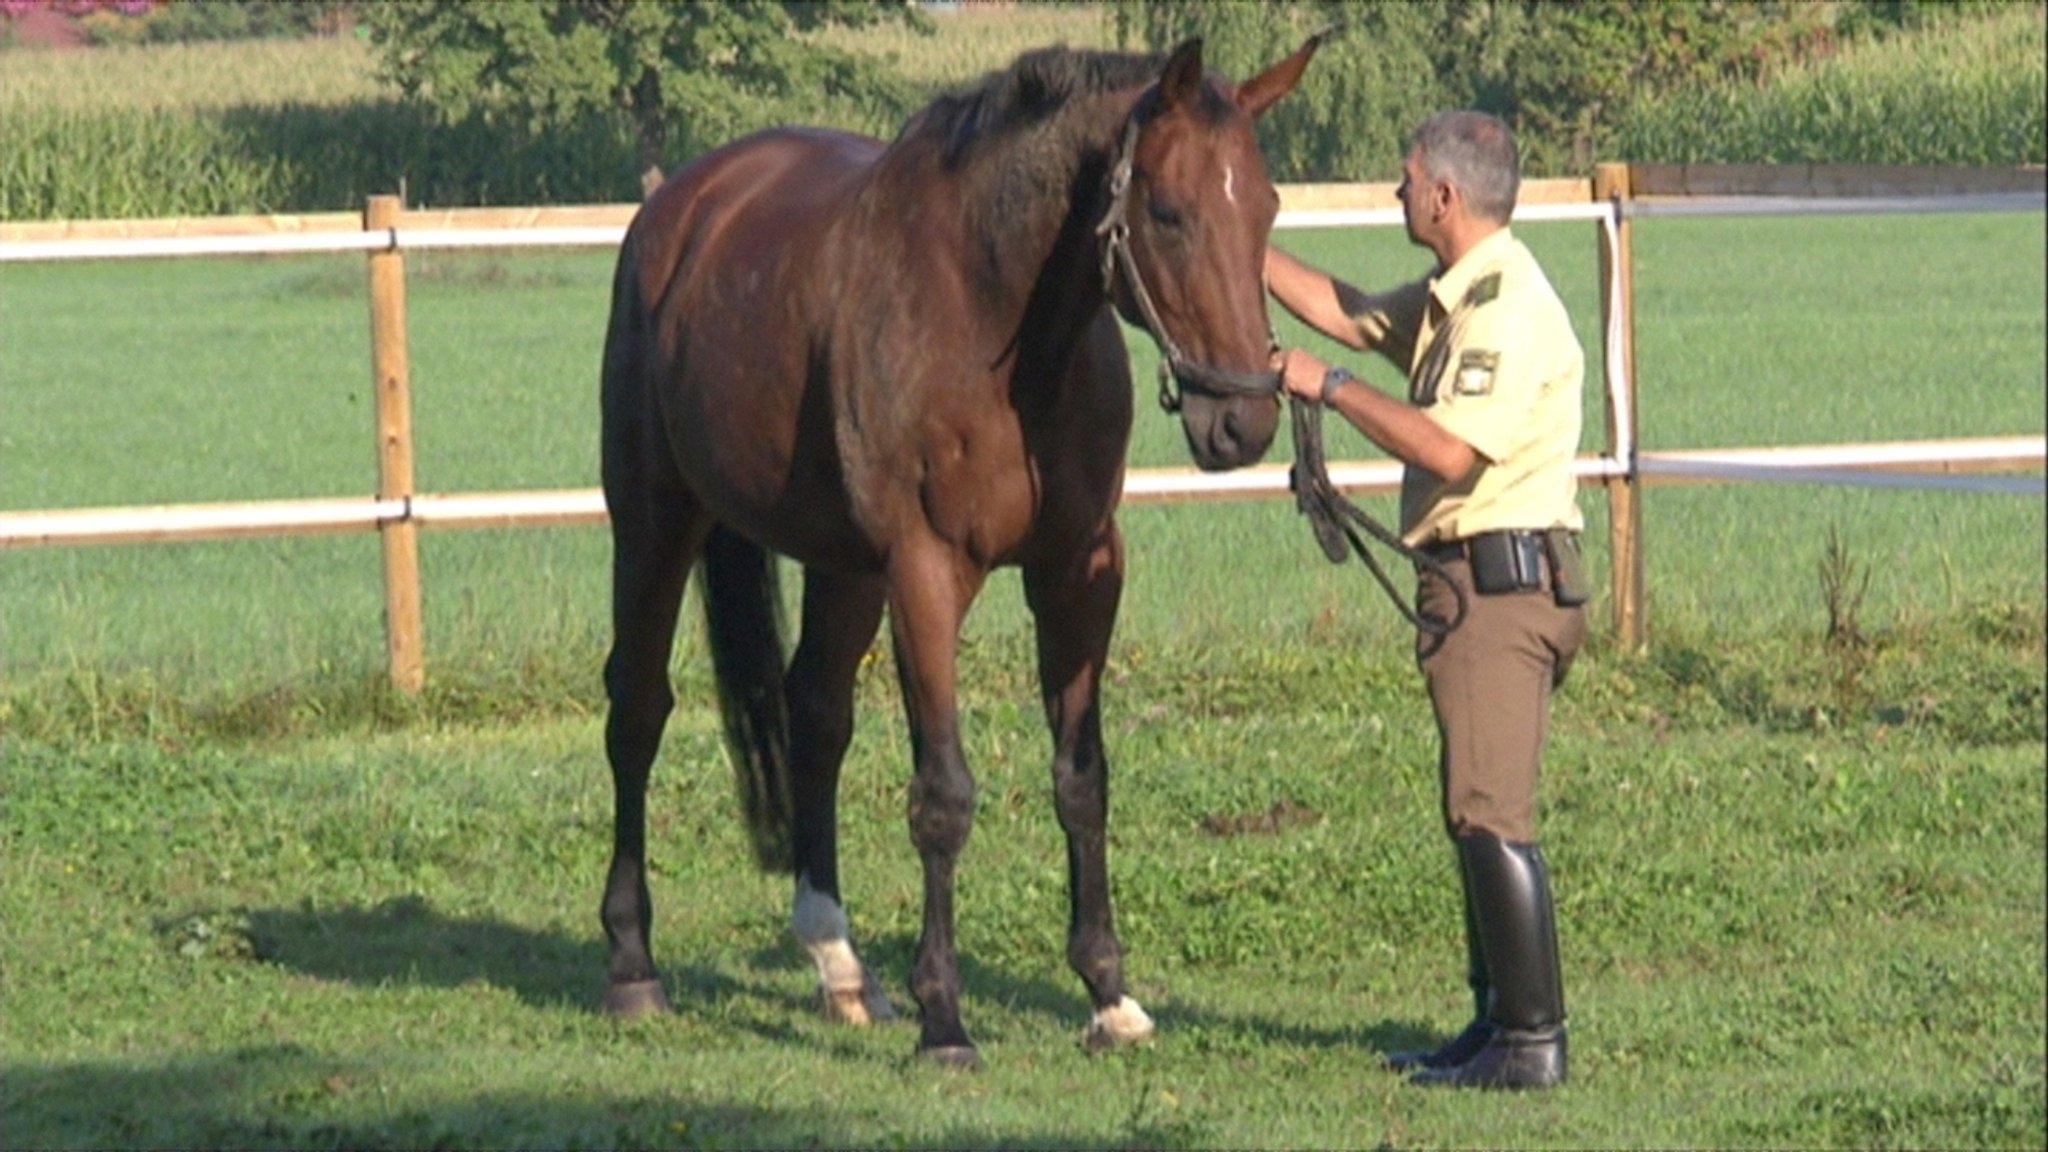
point(1115, 230)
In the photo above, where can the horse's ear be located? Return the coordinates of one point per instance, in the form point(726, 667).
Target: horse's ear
point(1258, 93)
point(1182, 79)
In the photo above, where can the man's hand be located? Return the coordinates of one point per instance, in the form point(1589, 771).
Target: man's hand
point(1402, 430)
point(1301, 373)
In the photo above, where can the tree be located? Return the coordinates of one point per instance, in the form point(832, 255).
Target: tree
point(1349, 117)
point(1560, 74)
point(696, 66)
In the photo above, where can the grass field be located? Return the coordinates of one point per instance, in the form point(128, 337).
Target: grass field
point(386, 939)
point(343, 69)
point(247, 380)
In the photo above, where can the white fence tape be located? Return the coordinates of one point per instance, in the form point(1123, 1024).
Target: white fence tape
point(1839, 206)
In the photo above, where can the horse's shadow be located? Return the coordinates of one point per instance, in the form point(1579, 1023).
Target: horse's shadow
point(405, 941)
point(1061, 1002)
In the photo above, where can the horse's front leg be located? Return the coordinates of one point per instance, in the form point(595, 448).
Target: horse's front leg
point(930, 589)
point(1074, 601)
point(840, 616)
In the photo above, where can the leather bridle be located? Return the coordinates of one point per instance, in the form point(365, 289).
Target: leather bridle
point(1174, 365)
point(1335, 520)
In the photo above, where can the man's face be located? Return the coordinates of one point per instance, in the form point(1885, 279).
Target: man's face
point(1416, 193)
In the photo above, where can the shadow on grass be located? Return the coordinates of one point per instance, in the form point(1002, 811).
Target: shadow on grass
point(286, 1096)
point(404, 940)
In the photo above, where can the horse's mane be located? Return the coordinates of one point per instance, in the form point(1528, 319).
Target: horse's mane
point(1025, 96)
point(1017, 137)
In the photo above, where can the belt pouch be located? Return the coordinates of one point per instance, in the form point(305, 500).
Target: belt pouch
point(1568, 580)
point(1505, 562)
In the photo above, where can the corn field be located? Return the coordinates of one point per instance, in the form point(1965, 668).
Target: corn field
point(308, 125)
point(1966, 93)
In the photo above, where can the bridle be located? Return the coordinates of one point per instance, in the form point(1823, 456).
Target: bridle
point(1174, 365)
point(1335, 520)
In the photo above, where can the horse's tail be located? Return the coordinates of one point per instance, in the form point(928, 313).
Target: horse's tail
point(742, 596)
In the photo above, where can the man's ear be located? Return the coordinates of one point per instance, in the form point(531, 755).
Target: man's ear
point(1446, 198)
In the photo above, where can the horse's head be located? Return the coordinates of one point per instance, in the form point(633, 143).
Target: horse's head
point(1184, 245)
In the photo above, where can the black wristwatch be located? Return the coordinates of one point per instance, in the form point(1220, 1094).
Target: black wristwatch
point(1334, 379)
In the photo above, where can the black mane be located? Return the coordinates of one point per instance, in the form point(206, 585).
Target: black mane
point(1019, 143)
point(1025, 96)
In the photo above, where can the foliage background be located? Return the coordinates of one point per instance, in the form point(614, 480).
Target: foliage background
point(432, 99)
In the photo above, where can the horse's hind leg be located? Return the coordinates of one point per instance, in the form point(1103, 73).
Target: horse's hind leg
point(840, 615)
point(655, 538)
point(1075, 604)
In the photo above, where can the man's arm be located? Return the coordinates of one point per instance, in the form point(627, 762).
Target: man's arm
point(1398, 427)
point(1316, 298)
point(1384, 322)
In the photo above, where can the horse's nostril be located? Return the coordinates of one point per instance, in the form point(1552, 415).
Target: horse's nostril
point(1228, 435)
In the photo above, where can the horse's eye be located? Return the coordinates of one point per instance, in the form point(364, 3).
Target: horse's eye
point(1165, 215)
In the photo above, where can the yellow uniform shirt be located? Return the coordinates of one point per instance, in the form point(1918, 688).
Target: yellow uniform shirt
point(1490, 356)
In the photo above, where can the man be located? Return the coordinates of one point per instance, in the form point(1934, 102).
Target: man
point(1488, 434)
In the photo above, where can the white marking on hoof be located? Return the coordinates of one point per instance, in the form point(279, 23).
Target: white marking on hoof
point(862, 1005)
point(849, 994)
point(1121, 1023)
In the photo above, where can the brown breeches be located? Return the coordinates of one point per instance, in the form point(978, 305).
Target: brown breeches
point(1490, 682)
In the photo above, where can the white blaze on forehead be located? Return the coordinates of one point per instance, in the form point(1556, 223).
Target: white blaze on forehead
point(1230, 183)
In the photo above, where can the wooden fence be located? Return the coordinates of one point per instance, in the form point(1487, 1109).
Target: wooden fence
point(1615, 196)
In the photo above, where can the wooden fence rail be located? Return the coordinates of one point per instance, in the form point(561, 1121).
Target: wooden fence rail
point(1611, 199)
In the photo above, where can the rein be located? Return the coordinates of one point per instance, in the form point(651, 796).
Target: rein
point(1336, 520)
point(1115, 231)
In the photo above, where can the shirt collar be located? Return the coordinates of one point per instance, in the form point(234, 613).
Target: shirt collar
point(1449, 286)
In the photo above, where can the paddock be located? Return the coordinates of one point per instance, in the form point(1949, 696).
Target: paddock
point(291, 912)
point(1612, 201)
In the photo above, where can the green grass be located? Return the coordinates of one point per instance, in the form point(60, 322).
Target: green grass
point(1773, 937)
point(254, 900)
point(247, 379)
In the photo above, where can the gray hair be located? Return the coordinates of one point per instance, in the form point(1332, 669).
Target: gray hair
point(1475, 152)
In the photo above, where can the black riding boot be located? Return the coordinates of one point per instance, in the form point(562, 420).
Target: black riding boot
point(1518, 935)
point(1467, 1043)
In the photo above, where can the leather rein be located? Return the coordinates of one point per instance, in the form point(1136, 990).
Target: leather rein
point(1335, 520)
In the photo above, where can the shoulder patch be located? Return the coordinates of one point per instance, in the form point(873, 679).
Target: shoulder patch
point(1475, 372)
point(1483, 290)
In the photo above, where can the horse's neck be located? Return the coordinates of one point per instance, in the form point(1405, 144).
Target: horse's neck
point(1041, 207)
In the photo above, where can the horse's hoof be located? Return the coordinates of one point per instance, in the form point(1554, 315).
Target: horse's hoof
point(1123, 1022)
point(953, 1057)
point(862, 1005)
point(635, 998)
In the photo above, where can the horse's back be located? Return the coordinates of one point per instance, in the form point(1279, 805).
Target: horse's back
point(715, 296)
point(756, 196)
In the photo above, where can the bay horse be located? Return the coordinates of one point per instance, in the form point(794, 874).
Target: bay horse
point(900, 366)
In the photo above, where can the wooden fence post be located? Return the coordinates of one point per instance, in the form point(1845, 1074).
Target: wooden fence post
point(392, 383)
point(1611, 183)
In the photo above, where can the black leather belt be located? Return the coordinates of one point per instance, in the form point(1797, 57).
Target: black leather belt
point(1444, 551)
